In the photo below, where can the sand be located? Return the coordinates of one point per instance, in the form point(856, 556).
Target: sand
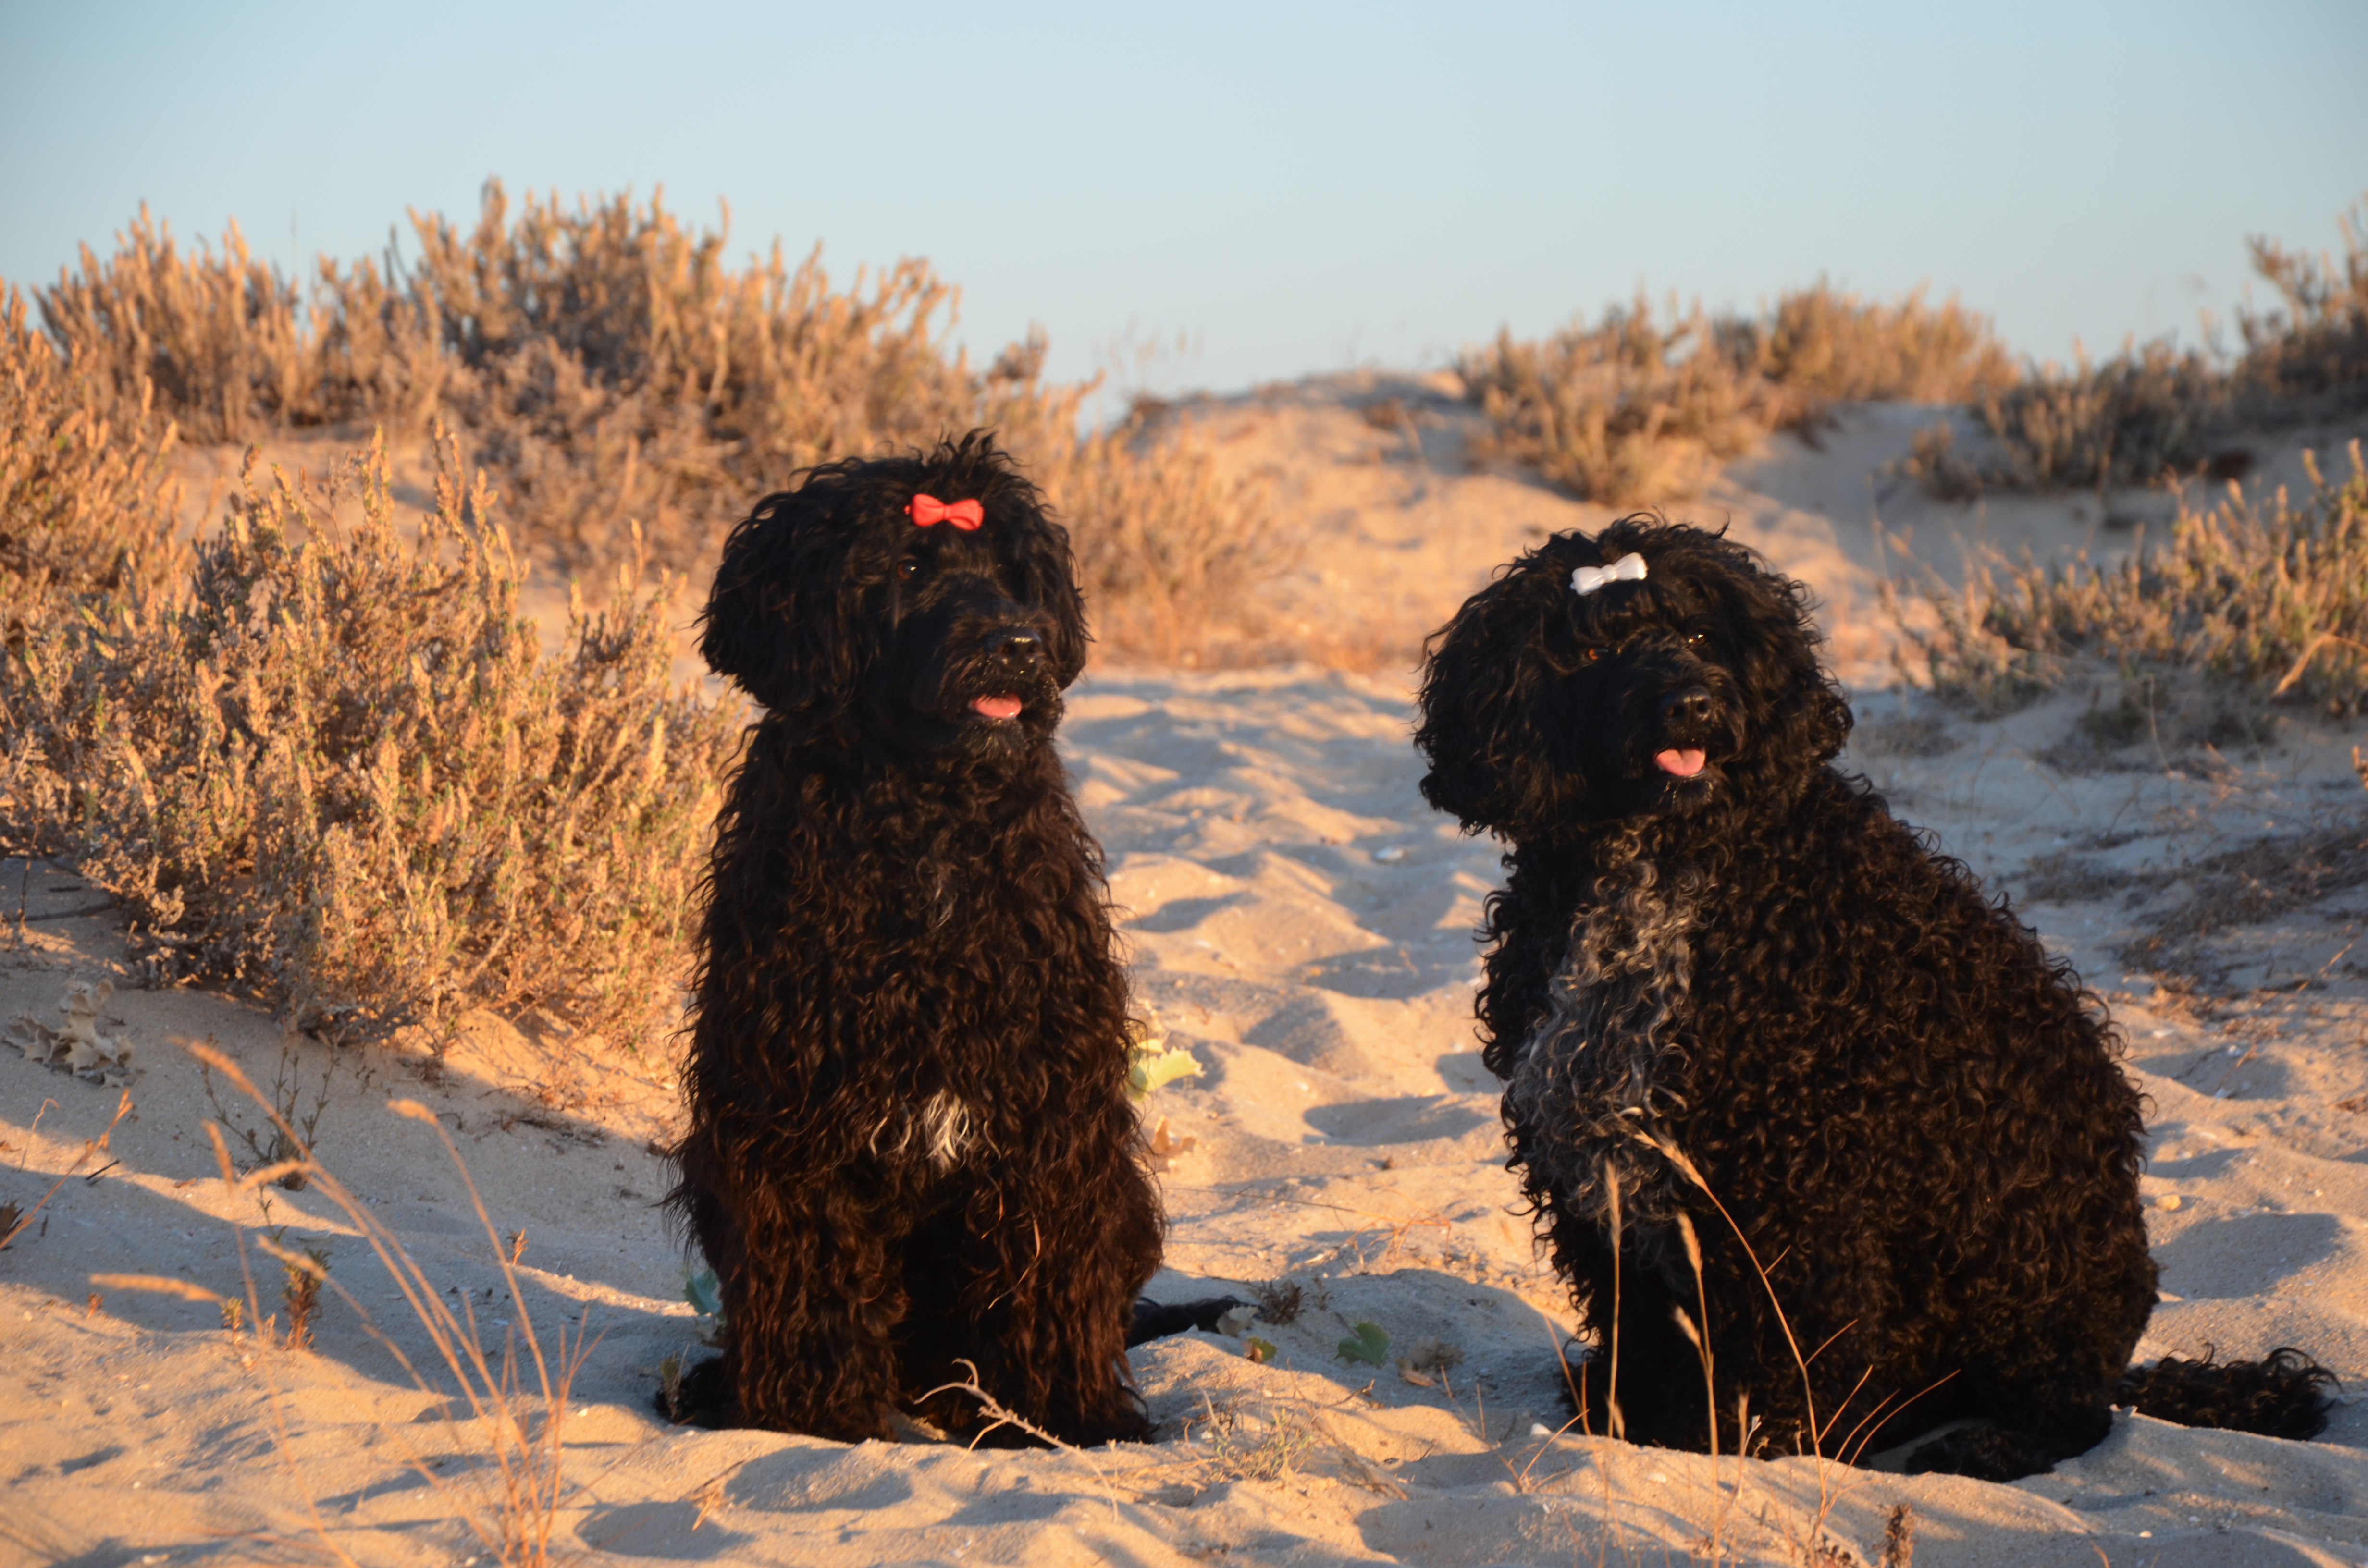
point(1301, 923)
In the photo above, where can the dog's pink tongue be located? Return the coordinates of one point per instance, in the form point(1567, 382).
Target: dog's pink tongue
point(1684, 764)
point(1006, 706)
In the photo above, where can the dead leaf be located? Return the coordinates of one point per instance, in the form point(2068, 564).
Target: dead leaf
point(86, 1047)
point(1165, 1146)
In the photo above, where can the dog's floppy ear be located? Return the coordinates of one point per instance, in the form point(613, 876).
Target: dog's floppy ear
point(1479, 697)
point(1802, 720)
point(774, 621)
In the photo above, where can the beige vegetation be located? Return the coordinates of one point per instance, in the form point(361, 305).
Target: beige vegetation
point(626, 388)
point(1634, 413)
point(323, 761)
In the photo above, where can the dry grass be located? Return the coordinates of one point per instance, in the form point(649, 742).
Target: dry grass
point(86, 505)
point(218, 336)
point(610, 370)
point(327, 762)
point(2266, 592)
point(516, 1400)
point(1774, 1528)
point(1824, 346)
point(1635, 411)
point(2313, 356)
point(16, 1220)
point(1246, 1447)
point(2248, 885)
point(2147, 413)
point(2153, 411)
point(335, 768)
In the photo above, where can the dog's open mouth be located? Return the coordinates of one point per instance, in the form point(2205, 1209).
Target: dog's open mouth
point(1003, 705)
point(1680, 762)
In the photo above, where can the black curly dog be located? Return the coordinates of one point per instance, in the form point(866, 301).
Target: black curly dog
point(1742, 1010)
point(910, 1142)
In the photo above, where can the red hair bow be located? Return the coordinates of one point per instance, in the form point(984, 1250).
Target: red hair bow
point(963, 514)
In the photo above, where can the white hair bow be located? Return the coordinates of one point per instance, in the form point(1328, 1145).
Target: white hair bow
point(1627, 569)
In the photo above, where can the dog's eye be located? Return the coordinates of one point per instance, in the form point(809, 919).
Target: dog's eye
point(907, 569)
point(1694, 639)
point(1593, 654)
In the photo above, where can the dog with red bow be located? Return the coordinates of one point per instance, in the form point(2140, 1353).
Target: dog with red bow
point(911, 1154)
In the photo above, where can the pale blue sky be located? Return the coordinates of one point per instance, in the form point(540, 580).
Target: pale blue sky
point(1296, 188)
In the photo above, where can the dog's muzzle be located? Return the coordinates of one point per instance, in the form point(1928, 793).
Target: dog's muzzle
point(1687, 713)
point(1015, 653)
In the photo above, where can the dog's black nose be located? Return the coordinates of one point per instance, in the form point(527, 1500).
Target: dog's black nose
point(1014, 642)
point(1690, 706)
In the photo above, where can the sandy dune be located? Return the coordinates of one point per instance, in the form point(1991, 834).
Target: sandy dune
point(1302, 923)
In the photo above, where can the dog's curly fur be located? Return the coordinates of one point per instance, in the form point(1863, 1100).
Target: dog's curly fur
point(910, 1139)
point(1732, 994)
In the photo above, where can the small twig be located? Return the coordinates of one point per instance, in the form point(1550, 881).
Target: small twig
point(1002, 1416)
point(2311, 652)
point(1360, 1472)
point(2308, 981)
point(23, 919)
point(123, 1109)
point(1829, 1338)
point(1851, 1458)
point(24, 891)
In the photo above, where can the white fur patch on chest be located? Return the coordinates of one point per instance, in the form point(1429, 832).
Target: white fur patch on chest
point(939, 1130)
point(945, 1130)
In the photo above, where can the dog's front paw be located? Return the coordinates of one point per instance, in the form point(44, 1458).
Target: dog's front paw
point(1157, 1320)
point(1124, 1423)
point(699, 1396)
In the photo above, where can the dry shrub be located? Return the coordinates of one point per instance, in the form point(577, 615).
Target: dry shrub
point(2147, 413)
point(1168, 547)
point(1245, 1447)
point(2154, 412)
point(336, 767)
point(609, 370)
point(1631, 411)
point(86, 509)
point(1824, 346)
point(217, 336)
point(85, 503)
point(2312, 357)
point(2262, 591)
point(610, 367)
point(1626, 412)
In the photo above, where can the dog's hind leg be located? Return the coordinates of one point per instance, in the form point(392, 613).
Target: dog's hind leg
point(2048, 1375)
point(1048, 1294)
point(810, 1337)
point(1991, 1451)
point(2032, 1420)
